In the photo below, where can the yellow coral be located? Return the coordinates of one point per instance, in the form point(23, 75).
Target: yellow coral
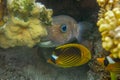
point(23, 29)
point(109, 25)
point(19, 35)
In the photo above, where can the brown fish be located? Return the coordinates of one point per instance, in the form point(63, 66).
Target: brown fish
point(64, 29)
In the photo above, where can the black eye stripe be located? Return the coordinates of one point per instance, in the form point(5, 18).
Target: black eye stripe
point(106, 62)
point(53, 60)
point(116, 59)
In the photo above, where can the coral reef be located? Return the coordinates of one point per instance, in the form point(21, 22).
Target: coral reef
point(26, 23)
point(109, 25)
point(2, 12)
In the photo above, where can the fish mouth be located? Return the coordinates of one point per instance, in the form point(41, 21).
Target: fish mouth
point(50, 44)
point(47, 44)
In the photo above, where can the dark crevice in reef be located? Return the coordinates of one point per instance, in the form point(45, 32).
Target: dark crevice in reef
point(79, 9)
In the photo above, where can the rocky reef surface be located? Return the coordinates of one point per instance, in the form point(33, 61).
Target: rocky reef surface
point(23, 63)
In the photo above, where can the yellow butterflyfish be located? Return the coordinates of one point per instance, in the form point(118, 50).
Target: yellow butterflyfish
point(70, 55)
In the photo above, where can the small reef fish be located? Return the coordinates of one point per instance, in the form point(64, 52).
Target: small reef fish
point(111, 64)
point(70, 55)
point(64, 29)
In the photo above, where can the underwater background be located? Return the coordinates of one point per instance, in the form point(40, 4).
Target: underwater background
point(23, 56)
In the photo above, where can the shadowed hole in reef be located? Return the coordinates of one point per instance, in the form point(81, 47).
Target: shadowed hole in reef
point(41, 70)
point(79, 9)
point(34, 65)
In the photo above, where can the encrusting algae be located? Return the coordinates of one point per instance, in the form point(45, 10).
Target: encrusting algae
point(2, 12)
point(109, 25)
point(26, 23)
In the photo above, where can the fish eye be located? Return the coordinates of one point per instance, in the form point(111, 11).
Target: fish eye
point(63, 28)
